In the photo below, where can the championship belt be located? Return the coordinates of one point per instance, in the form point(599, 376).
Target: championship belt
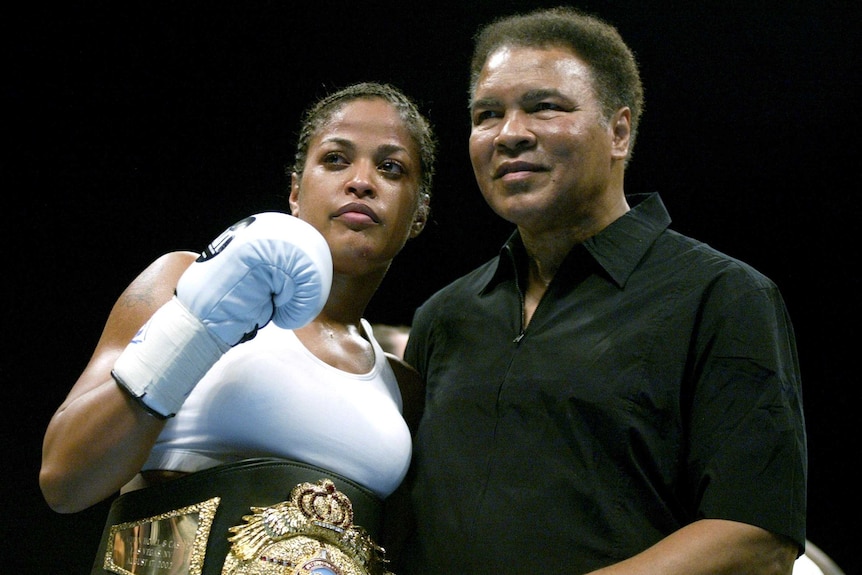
point(254, 517)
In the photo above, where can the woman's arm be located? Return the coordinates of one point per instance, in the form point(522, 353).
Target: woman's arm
point(412, 391)
point(100, 437)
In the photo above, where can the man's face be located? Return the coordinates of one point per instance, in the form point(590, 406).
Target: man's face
point(540, 147)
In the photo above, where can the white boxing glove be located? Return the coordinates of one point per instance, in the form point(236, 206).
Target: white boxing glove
point(269, 266)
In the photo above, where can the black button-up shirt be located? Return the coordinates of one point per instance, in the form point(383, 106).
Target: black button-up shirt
point(657, 384)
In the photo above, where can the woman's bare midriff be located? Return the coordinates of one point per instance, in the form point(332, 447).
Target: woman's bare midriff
point(151, 477)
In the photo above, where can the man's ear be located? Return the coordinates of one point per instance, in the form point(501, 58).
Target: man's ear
point(293, 200)
point(621, 123)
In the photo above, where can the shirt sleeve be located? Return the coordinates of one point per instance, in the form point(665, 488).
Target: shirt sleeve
point(747, 442)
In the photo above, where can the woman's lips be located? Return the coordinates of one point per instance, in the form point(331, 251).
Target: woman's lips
point(357, 213)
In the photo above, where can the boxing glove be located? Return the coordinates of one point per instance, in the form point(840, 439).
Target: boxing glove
point(267, 267)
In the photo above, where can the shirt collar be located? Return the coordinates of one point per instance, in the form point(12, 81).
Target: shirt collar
point(617, 249)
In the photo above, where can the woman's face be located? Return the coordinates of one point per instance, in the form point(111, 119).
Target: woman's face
point(360, 185)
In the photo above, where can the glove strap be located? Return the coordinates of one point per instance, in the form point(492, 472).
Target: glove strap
point(166, 359)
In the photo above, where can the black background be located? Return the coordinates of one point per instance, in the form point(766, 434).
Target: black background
point(138, 129)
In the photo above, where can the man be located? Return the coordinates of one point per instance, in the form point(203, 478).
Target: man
point(607, 395)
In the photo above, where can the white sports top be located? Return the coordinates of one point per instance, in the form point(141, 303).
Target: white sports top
point(271, 397)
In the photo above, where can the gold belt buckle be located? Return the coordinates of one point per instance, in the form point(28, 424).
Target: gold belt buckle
point(310, 533)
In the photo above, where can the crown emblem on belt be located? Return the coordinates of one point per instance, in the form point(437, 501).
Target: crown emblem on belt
point(311, 532)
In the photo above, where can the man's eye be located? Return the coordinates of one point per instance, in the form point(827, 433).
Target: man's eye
point(541, 106)
point(391, 167)
point(483, 115)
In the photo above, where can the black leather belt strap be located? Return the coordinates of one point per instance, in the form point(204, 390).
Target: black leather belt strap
point(240, 486)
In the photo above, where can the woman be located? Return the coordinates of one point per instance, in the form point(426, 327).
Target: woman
point(321, 398)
